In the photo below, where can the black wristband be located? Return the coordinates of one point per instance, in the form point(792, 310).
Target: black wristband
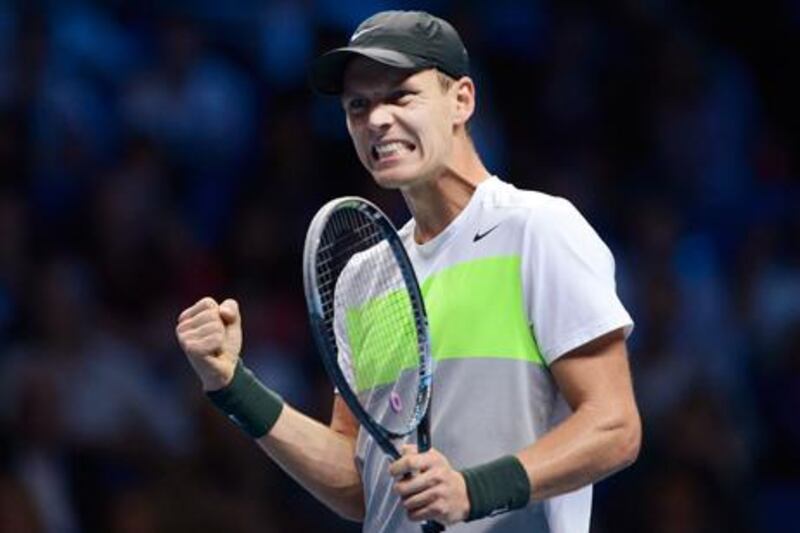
point(496, 487)
point(248, 403)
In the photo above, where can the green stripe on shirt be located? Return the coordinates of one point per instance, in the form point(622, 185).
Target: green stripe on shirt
point(383, 339)
point(475, 309)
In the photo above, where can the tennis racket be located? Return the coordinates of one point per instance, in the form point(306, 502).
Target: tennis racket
point(369, 323)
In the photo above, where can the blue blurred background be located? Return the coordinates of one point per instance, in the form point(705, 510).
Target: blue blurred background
point(155, 152)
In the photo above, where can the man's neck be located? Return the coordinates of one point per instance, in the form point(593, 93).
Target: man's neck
point(437, 202)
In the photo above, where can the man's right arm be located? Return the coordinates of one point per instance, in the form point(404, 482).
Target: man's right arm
point(320, 458)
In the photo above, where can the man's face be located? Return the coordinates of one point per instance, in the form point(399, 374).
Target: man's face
point(401, 124)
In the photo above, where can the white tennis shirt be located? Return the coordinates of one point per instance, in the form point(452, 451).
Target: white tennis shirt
point(517, 280)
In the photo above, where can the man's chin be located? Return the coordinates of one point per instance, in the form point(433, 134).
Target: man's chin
point(393, 179)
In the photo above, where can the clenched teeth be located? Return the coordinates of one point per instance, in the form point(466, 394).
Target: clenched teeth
point(388, 149)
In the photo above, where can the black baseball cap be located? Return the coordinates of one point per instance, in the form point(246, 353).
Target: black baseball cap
point(412, 40)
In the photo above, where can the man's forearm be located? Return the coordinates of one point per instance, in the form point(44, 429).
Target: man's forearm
point(320, 459)
point(586, 447)
point(603, 433)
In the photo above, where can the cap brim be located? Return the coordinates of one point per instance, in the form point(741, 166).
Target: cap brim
point(327, 72)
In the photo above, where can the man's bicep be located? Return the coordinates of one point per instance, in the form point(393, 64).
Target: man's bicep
point(342, 419)
point(597, 374)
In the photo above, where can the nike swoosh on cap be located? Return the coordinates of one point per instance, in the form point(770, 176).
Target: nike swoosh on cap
point(358, 34)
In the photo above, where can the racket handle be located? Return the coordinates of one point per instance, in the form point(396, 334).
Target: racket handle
point(432, 527)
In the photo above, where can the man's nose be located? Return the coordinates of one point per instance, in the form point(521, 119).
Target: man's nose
point(380, 117)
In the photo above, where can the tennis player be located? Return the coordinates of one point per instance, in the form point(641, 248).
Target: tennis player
point(533, 399)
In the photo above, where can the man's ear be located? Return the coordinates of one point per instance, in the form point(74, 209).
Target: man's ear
point(464, 102)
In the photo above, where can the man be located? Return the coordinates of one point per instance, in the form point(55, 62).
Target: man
point(533, 395)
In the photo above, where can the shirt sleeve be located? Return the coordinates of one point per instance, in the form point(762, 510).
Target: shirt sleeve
point(568, 275)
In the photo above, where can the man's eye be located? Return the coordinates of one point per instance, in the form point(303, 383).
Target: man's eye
point(400, 97)
point(356, 105)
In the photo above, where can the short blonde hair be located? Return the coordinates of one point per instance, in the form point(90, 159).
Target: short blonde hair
point(445, 80)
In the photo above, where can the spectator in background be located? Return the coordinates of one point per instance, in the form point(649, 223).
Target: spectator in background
point(199, 107)
point(75, 394)
point(17, 510)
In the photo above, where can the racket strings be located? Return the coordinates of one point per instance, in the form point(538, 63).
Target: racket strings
point(362, 286)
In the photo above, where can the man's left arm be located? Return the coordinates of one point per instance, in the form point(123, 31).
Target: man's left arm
point(603, 433)
point(600, 437)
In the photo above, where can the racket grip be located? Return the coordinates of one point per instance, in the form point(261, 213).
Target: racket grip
point(432, 527)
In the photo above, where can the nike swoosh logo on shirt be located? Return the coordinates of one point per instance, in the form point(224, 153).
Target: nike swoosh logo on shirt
point(478, 236)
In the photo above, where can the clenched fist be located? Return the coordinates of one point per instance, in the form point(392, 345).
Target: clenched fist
point(210, 335)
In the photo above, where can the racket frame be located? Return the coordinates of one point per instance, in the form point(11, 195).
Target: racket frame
point(420, 420)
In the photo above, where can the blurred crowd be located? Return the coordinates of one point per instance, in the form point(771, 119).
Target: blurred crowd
point(152, 153)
